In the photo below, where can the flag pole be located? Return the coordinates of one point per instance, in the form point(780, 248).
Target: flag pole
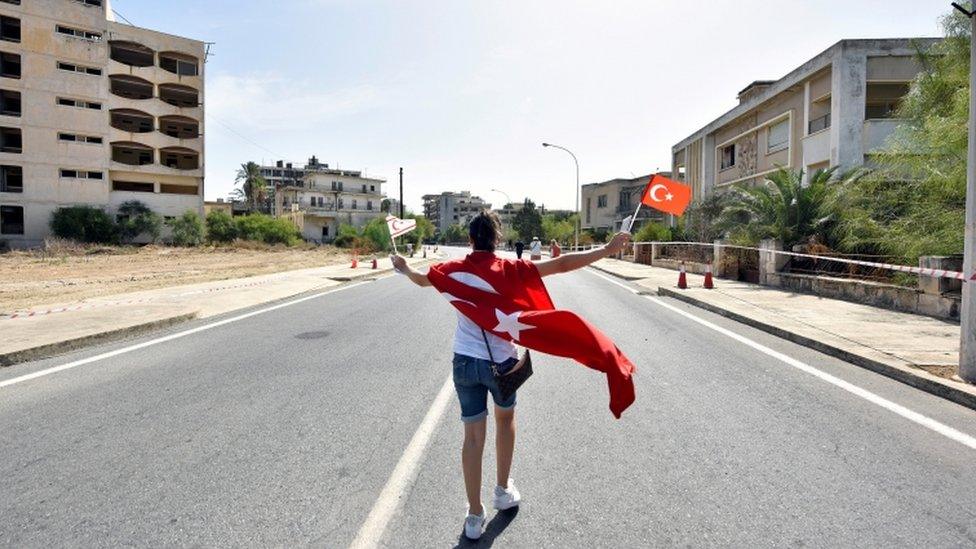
point(634, 219)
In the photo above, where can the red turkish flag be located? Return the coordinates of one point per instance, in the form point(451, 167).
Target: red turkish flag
point(508, 298)
point(666, 195)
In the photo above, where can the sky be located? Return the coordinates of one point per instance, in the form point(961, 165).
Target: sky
point(462, 93)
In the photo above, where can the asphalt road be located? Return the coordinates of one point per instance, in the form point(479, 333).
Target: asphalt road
point(282, 429)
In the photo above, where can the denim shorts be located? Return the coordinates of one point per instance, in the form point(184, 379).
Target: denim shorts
point(473, 380)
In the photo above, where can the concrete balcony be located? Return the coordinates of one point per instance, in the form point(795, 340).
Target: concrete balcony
point(816, 148)
point(876, 133)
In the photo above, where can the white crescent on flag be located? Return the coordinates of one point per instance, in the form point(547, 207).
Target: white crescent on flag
point(400, 227)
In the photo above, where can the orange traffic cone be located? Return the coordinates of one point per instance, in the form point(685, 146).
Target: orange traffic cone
point(375, 266)
point(682, 278)
point(709, 283)
point(355, 262)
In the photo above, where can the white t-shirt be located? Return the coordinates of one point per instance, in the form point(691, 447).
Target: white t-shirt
point(468, 341)
point(536, 247)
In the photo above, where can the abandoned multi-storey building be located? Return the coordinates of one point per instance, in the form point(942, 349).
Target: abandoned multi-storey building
point(94, 112)
point(325, 198)
point(834, 110)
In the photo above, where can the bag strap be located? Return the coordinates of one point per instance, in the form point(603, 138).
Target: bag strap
point(494, 368)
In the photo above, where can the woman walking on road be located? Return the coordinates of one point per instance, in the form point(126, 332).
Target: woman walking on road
point(475, 349)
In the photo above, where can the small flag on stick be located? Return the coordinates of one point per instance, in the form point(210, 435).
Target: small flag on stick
point(399, 227)
point(666, 195)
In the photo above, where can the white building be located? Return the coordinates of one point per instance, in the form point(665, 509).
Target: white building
point(328, 198)
point(94, 112)
point(450, 208)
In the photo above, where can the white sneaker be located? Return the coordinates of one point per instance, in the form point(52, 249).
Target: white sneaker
point(474, 525)
point(506, 498)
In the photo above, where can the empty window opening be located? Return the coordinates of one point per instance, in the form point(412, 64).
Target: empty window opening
point(133, 186)
point(179, 127)
point(131, 87)
point(14, 2)
point(180, 159)
point(11, 179)
point(10, 103)
point(80, 174)
point(75, 138)
point(79, 103)
point(9, 65)
point(132, 54)
point(11, 140)
point(9, 29)
point(70, 67)
point(11, 220)
point(728, 156)
point(91, 3)
point(883, 99)
point(179, 63)
point(132, 154)
point(177, 189)
point(179, 96)
point(131, 121)
point(78, 33)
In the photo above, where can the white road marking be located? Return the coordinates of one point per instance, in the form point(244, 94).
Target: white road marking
point(143, 345)
point(902, 411)
point(403, 474)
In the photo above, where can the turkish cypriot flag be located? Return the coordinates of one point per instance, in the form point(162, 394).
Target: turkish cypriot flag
point(400, 227)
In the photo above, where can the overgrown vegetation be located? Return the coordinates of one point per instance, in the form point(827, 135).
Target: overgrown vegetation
point(84, 224)
point(221, 228)
point(135, 219)
point(188, 229)
point(267, 229)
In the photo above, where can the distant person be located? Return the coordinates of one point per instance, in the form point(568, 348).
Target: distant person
point(519, 248)
point(410, 249)
point(554, 249)
point(477, 347)
point(535, 249)
point(510, 244)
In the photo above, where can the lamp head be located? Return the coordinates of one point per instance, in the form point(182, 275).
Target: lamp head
point(546, 145)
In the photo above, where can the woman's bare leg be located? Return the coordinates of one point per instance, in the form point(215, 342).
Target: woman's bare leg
point(471, 453)
point(504, 443)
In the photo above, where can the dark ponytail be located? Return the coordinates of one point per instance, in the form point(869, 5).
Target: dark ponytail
point(485, 231)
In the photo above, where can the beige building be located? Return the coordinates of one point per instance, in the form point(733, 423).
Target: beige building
point(328, 198)
point(94, 112)
point(834, 110)
point(450, 208)
point(605, 205)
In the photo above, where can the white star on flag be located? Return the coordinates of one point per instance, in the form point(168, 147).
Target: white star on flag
point(669, 196)
point(510, 323)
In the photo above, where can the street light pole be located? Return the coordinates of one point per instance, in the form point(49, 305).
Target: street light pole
point(577, 188)
point(967, 344)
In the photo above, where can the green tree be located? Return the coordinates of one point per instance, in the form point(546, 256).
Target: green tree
point(455, 234)
point(701, 220)
point(187, 229)
point(254, 188)
point(653, 232)
point(84, 224)
point(560, 230)
point(528, 221)
point(136, 219)
point(264, 228)
point(782, 207)
point(913, 203)
point(221, 227)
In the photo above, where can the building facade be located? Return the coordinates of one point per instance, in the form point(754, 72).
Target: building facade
point(94, 112)
point(834, 110)
point(328, 198)
point(450, 208)
point(605, 205)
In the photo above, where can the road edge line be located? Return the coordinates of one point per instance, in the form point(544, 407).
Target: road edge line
point(81, 362)
point(403, 475)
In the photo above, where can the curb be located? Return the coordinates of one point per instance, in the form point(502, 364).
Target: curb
point(371, 273)
point(616, 274)
point(61, 347)
point(927, 382)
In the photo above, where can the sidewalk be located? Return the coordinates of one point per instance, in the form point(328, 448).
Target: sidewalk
point(903, 346)
point(58, 328)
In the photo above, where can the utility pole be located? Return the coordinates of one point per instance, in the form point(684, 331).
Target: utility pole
point(401, 193)
point(967, 346)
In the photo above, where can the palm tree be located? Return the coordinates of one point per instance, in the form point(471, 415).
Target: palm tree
point(254, 188)
point(782, 207)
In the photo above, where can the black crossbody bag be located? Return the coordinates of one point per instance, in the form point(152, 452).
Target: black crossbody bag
point(510, 381)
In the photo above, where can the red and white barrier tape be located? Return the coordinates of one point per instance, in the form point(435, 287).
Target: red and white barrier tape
point(99, 304)
point(936, 273)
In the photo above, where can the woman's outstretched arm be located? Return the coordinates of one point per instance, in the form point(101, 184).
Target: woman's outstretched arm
point(401, 266)
point(571, 262)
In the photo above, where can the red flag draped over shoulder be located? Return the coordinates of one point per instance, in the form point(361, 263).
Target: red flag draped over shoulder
point(508, 298)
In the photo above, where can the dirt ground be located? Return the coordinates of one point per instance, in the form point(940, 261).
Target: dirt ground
point(33, 278)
